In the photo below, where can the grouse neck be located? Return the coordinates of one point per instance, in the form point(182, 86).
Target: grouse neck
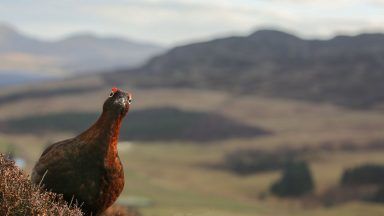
point(105, 132)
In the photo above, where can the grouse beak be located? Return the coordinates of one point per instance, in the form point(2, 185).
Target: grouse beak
point(121, 102)
point(128, 100)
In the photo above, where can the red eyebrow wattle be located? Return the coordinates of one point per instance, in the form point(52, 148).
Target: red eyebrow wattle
point(114, 89)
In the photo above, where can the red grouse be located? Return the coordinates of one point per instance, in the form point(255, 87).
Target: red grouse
point(87, 168)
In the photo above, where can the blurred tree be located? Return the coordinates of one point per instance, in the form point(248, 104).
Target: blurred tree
point(296, 180)
point(364, 174)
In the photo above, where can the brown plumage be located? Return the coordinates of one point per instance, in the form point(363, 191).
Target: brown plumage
point(87, 167)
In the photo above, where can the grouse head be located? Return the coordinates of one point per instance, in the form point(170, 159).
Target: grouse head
point(118, 102)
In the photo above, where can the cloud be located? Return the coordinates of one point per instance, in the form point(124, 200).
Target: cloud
point(180, 21)
point(177, 21)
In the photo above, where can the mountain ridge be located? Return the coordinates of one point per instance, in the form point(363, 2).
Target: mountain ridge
point(344, 70)
point(9, 32)
point(75, 54)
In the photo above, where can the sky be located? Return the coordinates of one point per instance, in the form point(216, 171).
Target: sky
point(171, 22)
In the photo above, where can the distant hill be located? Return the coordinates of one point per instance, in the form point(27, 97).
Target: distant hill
point(157, 124)
point(345, 70)
point(81, 53)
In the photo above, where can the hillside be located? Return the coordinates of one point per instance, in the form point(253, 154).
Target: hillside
point(345, 70)
point(199, 106)
point(178, 176)
point(22, 56)
point(156, 124)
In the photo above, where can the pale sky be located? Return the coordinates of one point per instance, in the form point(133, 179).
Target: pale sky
point(171, 22)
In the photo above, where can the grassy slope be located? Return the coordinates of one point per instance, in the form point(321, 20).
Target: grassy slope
point(171, 175)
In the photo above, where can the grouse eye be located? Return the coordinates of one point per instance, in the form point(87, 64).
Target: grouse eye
point(111, 94)
point(129, 100)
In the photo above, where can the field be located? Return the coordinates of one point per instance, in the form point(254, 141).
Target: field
point(173, 178)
